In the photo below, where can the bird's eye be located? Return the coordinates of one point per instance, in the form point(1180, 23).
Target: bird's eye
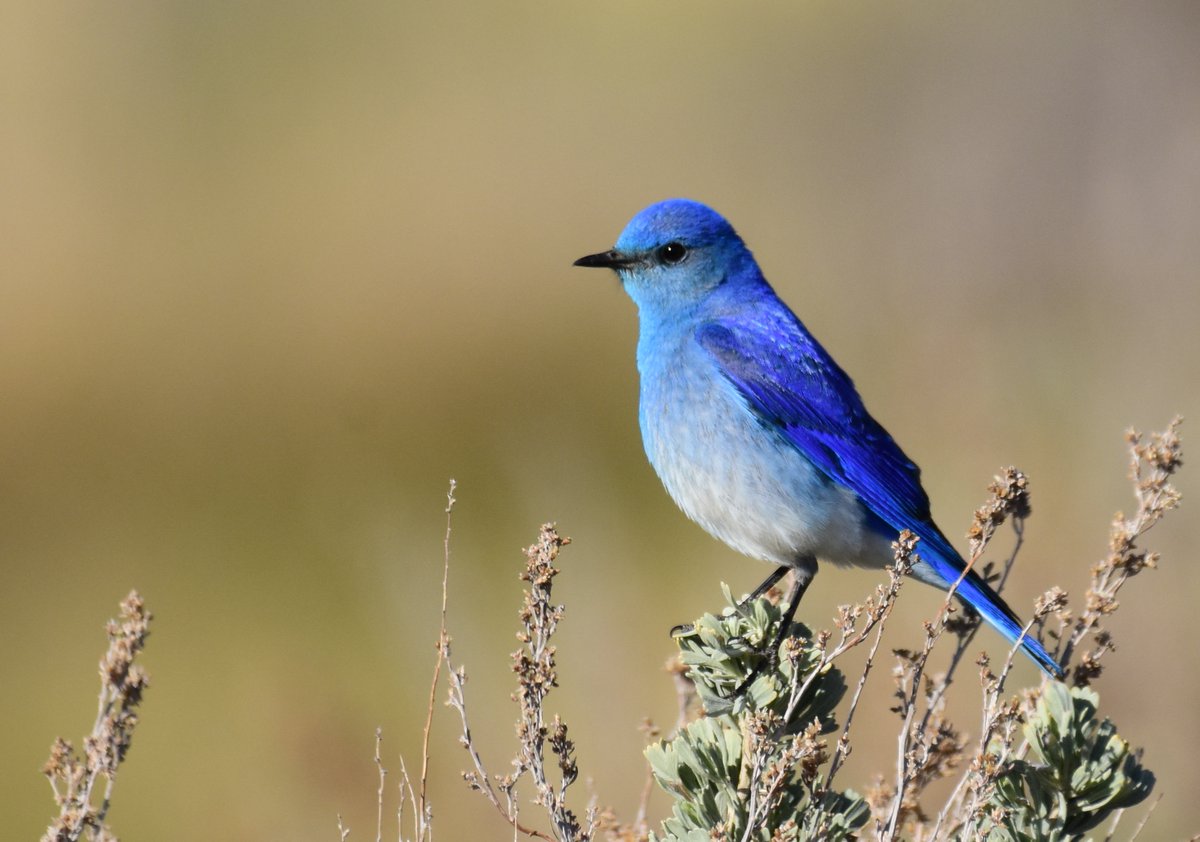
point(672, 253)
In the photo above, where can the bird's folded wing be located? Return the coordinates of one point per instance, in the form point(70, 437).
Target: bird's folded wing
point(791, 384)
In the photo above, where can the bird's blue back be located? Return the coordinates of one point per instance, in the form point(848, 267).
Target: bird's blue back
point(771, 398)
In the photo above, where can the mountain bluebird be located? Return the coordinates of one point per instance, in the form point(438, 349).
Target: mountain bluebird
point(755, 431)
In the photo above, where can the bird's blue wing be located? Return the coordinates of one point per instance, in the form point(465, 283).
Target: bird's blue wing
point(792, 385)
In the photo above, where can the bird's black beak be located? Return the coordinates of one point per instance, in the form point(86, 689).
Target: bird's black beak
point(611, 259)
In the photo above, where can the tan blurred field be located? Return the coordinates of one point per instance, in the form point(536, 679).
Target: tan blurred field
point(271, 274)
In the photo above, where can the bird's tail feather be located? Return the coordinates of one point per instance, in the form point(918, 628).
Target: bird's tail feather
point(978, 594)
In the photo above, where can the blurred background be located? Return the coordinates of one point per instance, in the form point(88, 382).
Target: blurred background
point(272, 274)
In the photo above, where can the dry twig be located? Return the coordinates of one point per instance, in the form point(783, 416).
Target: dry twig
point(75, 779)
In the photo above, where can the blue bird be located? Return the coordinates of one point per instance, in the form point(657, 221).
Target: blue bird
point(756, 432)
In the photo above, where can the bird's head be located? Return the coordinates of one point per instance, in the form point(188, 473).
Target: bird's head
point(673, 254)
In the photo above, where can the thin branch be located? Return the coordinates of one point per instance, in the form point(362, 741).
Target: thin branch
point(843, 745)
point(74, 777)
point(479, 779)
point(1146, 818)
point(442, 649)
point(406, 786)
point(915, 670)
point(382, 778)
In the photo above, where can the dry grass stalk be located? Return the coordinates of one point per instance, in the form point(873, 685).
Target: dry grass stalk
point(535, 667)
point(417, 796)
point(76, 779)
point(1151, 466)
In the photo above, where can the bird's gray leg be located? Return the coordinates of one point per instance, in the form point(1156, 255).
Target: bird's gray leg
point(769, 583)
point(684, 629)
point(804, 571)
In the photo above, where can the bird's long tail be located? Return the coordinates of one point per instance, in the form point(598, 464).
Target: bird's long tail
point(975, 592)
point(979, 595)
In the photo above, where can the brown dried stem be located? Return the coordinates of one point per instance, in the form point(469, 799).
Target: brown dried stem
point(536, 672)
point(73, 778)
point(1151, 466)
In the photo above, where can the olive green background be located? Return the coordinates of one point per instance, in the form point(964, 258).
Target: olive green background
point(271, 274)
